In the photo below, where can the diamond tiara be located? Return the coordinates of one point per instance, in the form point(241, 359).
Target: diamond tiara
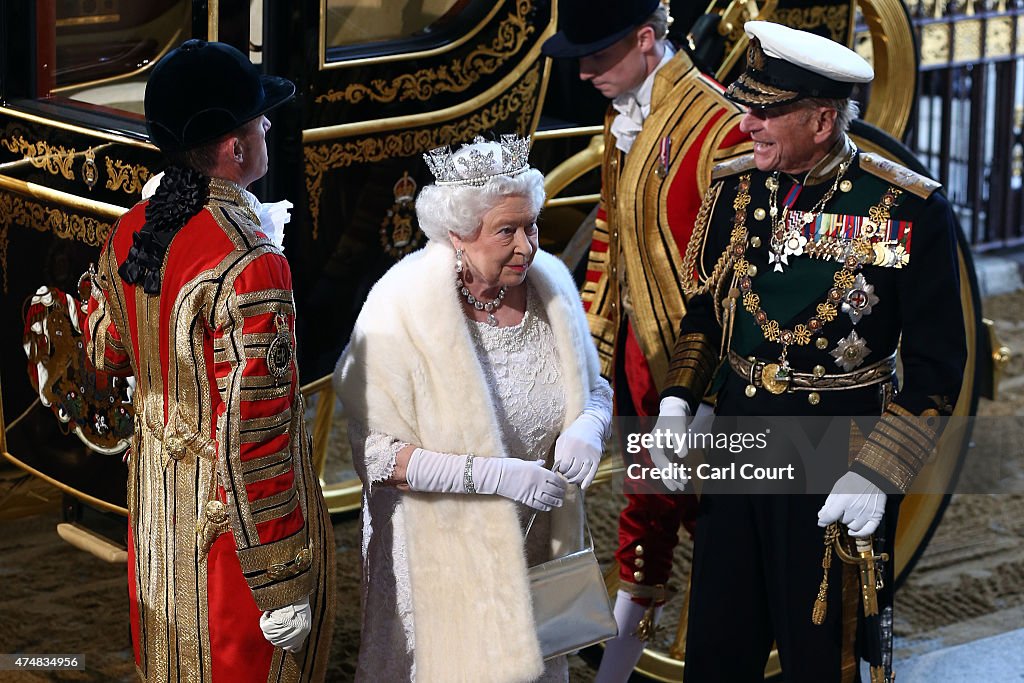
point(477, 162)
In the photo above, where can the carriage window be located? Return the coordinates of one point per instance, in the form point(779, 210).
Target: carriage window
point(353, 22)
point(101, 51)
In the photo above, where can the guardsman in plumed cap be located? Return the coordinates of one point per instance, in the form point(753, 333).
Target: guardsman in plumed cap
point(666, 126)
point(231, 554)
point(810, 262)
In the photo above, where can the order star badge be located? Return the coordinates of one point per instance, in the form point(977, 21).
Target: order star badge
point(850, 352)
point(859, 299)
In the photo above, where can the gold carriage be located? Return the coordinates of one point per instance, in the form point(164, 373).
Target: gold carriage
point(379, 83)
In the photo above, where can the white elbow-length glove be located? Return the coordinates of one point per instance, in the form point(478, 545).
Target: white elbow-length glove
point(524, 481)
point(855, 502)
point(287, 627)
point(672, 413)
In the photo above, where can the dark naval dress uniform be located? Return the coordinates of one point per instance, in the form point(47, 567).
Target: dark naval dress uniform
point(871, 268)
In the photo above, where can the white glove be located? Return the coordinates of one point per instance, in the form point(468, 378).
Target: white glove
point(578, 450)
point(622, 652)
point(855, 502)
point(523, 481)
point(671, 413)
point(288, 626)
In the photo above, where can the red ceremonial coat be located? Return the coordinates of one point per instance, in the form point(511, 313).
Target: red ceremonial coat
point(633, 290)
point(226, 516)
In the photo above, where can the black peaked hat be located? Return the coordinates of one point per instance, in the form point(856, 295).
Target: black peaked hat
point(589, 26)
point(202, 90)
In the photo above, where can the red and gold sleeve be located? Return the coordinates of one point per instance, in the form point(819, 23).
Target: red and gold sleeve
point(599, 294)
point(103, 343)
point(257, 377)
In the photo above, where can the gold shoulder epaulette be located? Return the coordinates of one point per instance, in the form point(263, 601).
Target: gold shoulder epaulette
point(733, 166)
point(898, 175)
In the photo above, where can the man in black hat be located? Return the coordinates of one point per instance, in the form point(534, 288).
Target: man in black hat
point(231, 555)
point(666, 127)
point(812, 261)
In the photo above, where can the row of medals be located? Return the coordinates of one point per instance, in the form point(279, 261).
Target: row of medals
point(775, 377)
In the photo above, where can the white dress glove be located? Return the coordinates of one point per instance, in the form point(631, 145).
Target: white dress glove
point(287, 627)
point(622, 652)
point(672, 412)
point(523, 481)
point(578, 450)
point(855, 502)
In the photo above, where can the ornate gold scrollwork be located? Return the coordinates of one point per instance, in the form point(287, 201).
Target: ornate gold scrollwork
point(934, 44)
point(15, 210)
point(999, 37)
point(457, 76)
point(130, 177)
point(835, 18)
point(320, 159)
point(53, 160)
point(967, 40)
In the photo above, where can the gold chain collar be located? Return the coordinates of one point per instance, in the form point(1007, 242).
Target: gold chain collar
point(860, 252)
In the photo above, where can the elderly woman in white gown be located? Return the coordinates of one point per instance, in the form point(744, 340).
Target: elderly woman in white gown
point(470, 361)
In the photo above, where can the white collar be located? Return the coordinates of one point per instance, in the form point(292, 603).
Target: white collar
point(634, 106)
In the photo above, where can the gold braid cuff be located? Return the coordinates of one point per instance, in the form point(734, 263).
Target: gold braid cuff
point(658, 593)
point(692, 364)
point(900, 445)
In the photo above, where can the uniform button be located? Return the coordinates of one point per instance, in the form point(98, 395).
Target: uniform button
point(821, 343)
point(819, 371)
point(814, 398)
point(215, 511)
point(638, 576)
point(638, 563)
point(750, 391)
point(639, 551)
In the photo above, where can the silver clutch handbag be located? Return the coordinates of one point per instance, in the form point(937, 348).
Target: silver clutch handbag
point(570, 601)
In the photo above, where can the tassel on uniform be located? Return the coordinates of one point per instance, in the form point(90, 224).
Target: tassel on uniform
point(646, 627)
point(821, 602)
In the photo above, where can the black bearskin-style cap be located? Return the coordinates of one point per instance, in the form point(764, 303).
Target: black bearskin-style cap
point(202, 90)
